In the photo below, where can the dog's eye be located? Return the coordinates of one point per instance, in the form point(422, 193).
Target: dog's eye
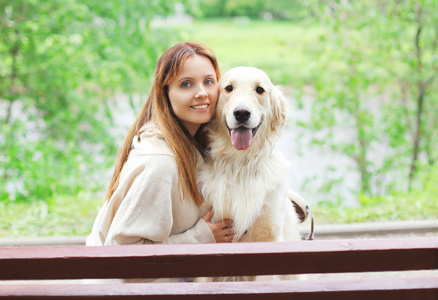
point(229, 88)
point(260, 90)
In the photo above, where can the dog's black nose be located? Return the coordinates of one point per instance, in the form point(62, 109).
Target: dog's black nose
point(242, 115)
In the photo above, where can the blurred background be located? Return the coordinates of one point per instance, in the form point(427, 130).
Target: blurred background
point(360, 76)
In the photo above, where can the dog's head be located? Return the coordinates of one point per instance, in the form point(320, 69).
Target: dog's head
point(250, 104)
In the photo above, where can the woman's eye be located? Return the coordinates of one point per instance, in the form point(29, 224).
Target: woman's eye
point(186, 84)
point(208, 81)
point(229, 88)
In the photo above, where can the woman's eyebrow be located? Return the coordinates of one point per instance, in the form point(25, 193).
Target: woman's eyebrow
point(191, 78)
point(184, 78)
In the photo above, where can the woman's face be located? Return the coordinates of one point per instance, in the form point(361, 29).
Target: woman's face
point(194, 92)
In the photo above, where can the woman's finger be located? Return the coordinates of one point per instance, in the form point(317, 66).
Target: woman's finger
point(226, 223)
point(229, 238)
point(229, 231)
point(208, 215)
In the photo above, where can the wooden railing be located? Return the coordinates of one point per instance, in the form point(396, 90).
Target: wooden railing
point(39, 264)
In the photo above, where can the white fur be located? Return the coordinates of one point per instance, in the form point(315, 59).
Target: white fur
point(249, 186)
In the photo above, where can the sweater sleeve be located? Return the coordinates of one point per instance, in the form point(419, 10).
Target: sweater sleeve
point(146, 213)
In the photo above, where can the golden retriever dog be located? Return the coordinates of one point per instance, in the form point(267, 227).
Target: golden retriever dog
point(245, 179)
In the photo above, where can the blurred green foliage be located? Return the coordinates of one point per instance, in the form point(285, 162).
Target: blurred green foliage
point(417, 204)
point(375, 76)
point(279, 9)
point(60, 64)
point(277, 46)
point(62, 215)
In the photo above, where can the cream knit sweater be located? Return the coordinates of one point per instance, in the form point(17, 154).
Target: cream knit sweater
point(145, 208)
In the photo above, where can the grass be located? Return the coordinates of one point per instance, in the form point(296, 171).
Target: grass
point(277, 47)
point(418, 204)
point(75, 216)
point(61, 216)
point(398, 207)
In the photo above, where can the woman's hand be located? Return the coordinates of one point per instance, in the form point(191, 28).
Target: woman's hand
point(223, 231)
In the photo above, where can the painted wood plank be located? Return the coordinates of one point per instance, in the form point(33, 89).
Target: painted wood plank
point(154, 261)
point(390, 288)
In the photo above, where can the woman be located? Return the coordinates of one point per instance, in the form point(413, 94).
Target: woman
point(153, 196)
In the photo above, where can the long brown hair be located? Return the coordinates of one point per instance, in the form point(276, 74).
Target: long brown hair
point(158, 108)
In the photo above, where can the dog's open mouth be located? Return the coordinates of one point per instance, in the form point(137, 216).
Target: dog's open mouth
point(241, 137)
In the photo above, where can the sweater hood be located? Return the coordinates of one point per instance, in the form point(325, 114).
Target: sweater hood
point(150, 141)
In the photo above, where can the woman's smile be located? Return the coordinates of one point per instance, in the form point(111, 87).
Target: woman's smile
point(200, 107)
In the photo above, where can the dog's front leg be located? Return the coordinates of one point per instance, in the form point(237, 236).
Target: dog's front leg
point(268, 227)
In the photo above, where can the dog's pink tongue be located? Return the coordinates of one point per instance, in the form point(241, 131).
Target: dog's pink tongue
point(241, 138)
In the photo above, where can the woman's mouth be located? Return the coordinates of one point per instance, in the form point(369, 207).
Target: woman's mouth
point(200, 107)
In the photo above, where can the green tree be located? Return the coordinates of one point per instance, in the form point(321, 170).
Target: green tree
point(411, 41)
point(375, 76)
point(60, 64)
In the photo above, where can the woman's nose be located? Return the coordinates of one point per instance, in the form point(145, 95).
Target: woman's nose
point(201, 93)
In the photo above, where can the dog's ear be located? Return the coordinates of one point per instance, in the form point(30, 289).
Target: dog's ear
point(279, 109)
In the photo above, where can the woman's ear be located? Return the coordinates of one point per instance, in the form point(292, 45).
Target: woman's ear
point(279, 109)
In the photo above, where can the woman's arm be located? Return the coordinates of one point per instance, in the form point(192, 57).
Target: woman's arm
point(146, 214)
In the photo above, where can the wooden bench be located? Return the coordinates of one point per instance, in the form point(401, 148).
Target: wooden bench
point(40, 264)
